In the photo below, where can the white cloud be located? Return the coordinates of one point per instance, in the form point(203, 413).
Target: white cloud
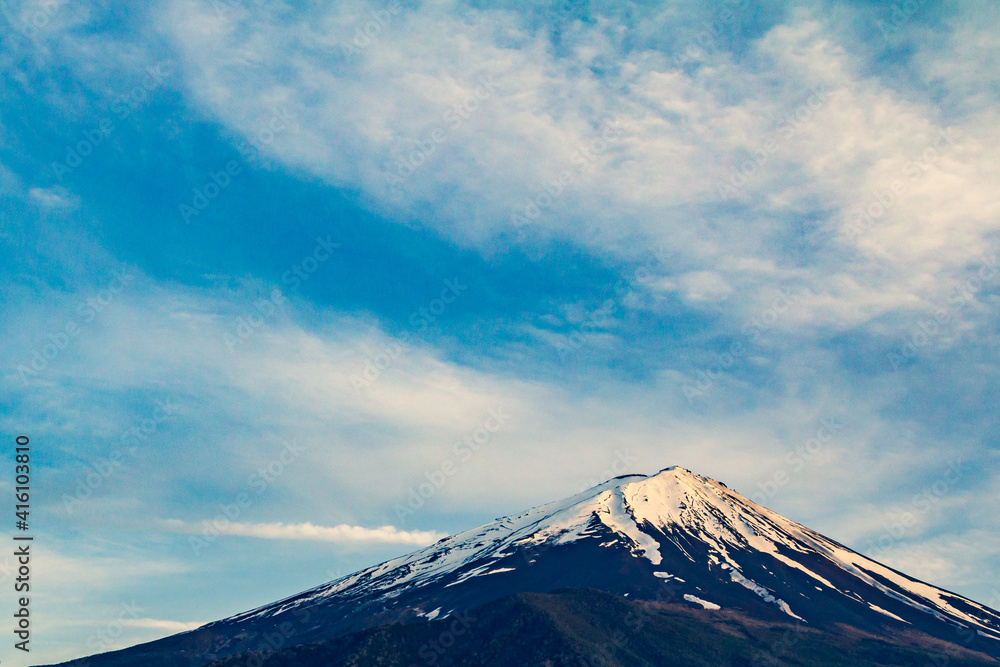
point(53, 198)
point(159, 624)
point(307, 531)
point(680, 135)
point(364, 451)
point(91, 568)
point(699, 286)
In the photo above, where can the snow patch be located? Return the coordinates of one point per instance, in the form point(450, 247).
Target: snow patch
point(764, 593)
point(614, 513)
point(703, 603)
point(887, 613)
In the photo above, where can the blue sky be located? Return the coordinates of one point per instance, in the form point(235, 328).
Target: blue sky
point(262, 269)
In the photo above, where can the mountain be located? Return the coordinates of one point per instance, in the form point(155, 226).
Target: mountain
point(674, 542)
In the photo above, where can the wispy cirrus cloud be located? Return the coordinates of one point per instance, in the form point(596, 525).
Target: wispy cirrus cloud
point(683, 131)
point(161, 624)
point(307, 531)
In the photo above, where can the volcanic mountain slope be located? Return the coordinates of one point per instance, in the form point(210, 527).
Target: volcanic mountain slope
point(588, 628)
point(674, 537)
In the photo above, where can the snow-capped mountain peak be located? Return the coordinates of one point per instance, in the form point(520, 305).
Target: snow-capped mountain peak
point(674, 537)
point(674, 526)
